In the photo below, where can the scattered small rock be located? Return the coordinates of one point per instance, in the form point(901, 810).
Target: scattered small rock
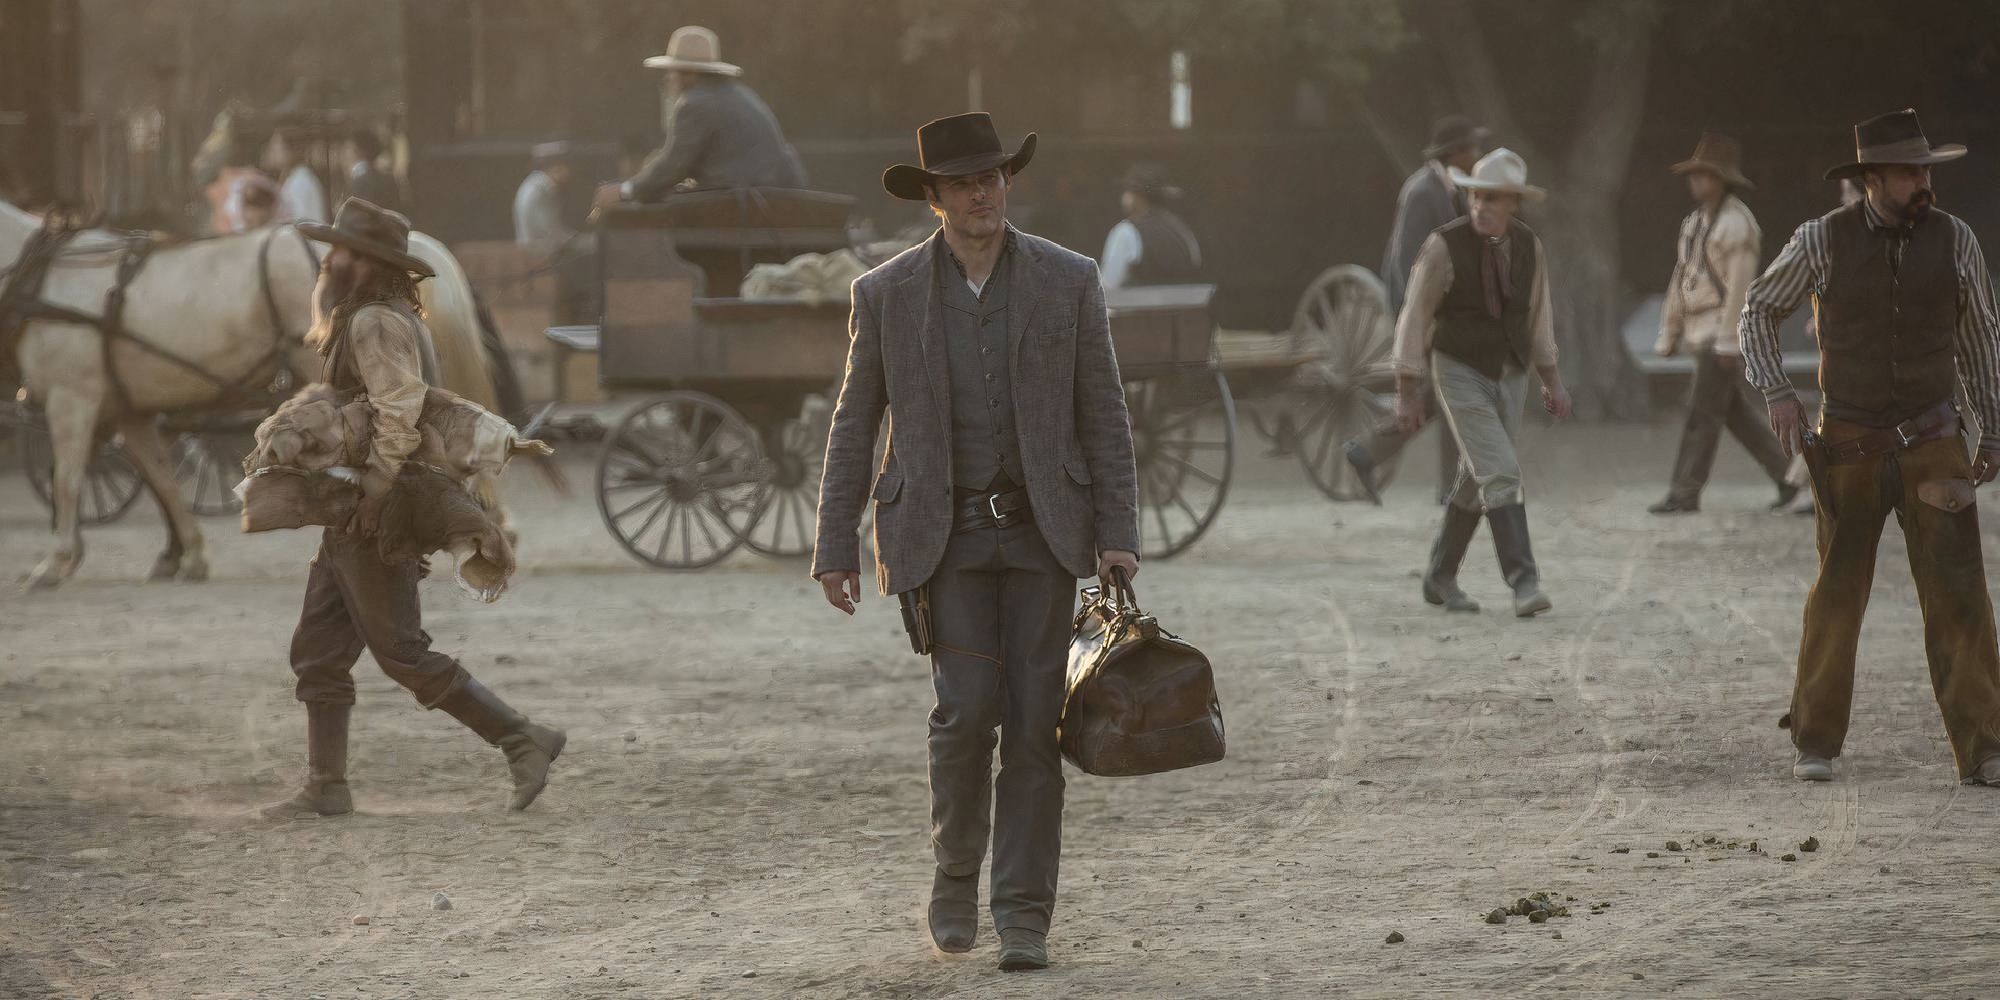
point(1638, 975)
point(1621, 850)
point(1673, 845)
point(1558, 935)
point(1513, 657)
point(1364, 781)
point(361, 920)
point(440, 901)
point(1652, 854)
point(752, 974)
point(1497, 917)
point(1395, 937)
point(1789, 857)
point(1538, 916)
point(1809, 845)
point(505, 658)
point(631, 737)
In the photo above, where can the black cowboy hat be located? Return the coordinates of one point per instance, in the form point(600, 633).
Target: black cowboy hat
point(957, 146)
point(1453, 131)
point(368, 228)
point(1151, 179)
point(1896, 138)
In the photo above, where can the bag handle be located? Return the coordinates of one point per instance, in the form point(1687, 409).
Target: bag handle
point(1121, 589)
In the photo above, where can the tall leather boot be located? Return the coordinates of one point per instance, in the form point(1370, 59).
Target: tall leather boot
point(1517, 559)
point(1447, 554)
point(325, 792)
point(530, 748)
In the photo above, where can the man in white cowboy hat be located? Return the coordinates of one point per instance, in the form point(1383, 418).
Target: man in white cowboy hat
point(1718, 259)
point(1008, 474)
point(366, 325)
point(1476, 320)
point(1152, 245)
point(1427, 201)
point(1905, 319)
point(723, 134)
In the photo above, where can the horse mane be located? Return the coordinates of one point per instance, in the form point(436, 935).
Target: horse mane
point(453, 319)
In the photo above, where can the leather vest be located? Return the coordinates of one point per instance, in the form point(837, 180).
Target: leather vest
point(1465, 329)
point(1166, 251)
point(1886, 326)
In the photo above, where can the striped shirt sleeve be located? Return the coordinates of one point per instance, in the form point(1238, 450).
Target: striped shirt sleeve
point(1799, 271)
point(1978, 335)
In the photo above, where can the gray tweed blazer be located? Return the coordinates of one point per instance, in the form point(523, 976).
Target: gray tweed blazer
point(1069, 410)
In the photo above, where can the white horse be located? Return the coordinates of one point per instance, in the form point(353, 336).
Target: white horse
point(206, 304)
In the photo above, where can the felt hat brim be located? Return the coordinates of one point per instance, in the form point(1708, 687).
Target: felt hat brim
point(907, 182)
point(324, 233)
point(1938, 154)
point(1528, 192)
point(1728, 175)
point(693, 66)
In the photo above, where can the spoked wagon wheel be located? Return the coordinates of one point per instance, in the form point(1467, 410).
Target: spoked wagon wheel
point(1343, 318)
point(789, 505)
point(110, 484)
point(678, 480)
point(208, 466)
point(1184, 439)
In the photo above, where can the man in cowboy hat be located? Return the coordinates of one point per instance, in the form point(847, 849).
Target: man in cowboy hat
point(538, 212)
point(366, 325)
point(1906, 316)
point(1008, 474)
point(1428, 201)
point(1152, 246)
point(1476, 320)
point(1719, 244)
point(723, 135)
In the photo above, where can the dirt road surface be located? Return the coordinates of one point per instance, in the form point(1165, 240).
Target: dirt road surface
point(742, 810)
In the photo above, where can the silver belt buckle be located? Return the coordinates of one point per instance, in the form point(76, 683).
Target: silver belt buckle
point(993, 507)
point(1904, 436)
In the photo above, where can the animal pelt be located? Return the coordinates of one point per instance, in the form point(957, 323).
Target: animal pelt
point(425, 511)
point(313, 431)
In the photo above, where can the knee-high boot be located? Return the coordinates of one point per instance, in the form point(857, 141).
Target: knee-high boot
point(325, 792)
point(1517, 559)
point(1447, 554)
point(530, 748)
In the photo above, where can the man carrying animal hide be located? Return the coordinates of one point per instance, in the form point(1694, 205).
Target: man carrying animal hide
point(377, 348)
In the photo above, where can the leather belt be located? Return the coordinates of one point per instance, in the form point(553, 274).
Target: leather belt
point(1940, 421)
point(991, 510)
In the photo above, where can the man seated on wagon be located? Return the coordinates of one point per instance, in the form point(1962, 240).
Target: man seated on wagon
point(723, 136)
point(1152, 246)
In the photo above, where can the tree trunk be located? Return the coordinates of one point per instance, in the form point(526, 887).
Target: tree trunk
point(1579, 221)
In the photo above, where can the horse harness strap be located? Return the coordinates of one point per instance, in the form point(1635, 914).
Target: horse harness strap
point(20, 304)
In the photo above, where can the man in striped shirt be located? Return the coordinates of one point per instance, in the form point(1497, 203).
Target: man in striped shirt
point(1905, 310)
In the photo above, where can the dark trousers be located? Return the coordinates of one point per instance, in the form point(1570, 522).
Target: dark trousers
point(1386, 440)
point(1950, 575)
point(1001, 608)
point(1721, 398)
point(355, 601)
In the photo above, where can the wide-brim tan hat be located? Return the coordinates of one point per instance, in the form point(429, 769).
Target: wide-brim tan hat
point(1719, 155)
point(694, 49)
point(1894, 139)
point(1501, 170)
point(367, 228)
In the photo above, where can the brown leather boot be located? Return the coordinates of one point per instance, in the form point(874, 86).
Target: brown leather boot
point(325, 792)
point(530, 748)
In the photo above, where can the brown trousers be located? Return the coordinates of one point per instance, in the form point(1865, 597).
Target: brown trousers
point(355, 601)
point(1950, 575)
point(1721, 399)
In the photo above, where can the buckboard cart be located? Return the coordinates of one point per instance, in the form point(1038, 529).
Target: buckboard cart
point(724, 447)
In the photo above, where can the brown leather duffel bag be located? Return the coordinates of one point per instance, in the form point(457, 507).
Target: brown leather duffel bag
point(1141, 700)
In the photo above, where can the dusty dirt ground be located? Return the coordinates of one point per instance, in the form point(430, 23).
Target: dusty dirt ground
point(741, 811)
